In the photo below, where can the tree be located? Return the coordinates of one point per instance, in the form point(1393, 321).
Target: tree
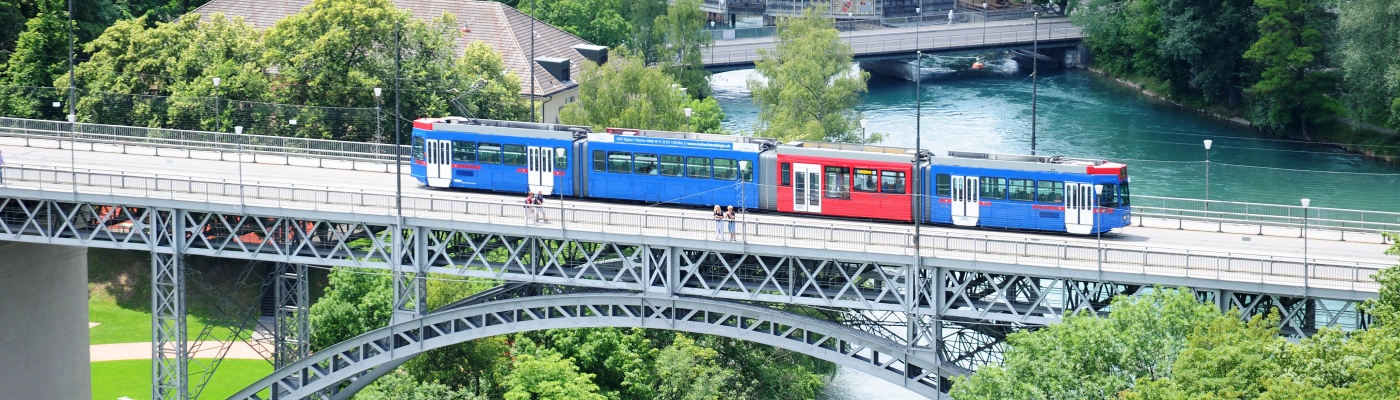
point(1292, 90)
point(808, 89)
point(1369, 52)
point(355, 302)
point(542, 374)
point(687, 371)
point(625, 93)
point(680, 55)
point(1210, 37)
point(1124, 36)
point(401, 386)
point(1088, 357)
point(35, 63)
point(499, 95)
point(596, 21)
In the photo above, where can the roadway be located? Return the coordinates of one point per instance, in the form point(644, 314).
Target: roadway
point(901, 42)
point(1359, 248)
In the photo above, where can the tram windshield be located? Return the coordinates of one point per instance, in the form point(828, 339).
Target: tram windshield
point(1123, 197)
point(1109, 197)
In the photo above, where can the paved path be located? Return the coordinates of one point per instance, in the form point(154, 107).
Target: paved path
point(142, 351)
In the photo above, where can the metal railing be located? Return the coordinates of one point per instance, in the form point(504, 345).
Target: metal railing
point(1038, 251)
point(159, 138)
point(909, 45)
point(1263, 215)
point(867, 21)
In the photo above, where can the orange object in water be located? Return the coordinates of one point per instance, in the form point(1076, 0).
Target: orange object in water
point(977, 65)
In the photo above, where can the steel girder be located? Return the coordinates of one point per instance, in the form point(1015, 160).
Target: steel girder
point(292, 326)
point(169, 354)
point(336, 367)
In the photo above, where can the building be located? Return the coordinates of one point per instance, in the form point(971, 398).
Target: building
point(558, 56)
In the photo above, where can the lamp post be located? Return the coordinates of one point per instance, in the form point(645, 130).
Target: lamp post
point(1098, 193)
point(1207, 142)
point(863, 123)
point(217, 121)
point(743, 201)
point(984, 23)
point(238, 134)
point(1035, 73)
point(378, 130)
point(1305, 202)
point(687, 118)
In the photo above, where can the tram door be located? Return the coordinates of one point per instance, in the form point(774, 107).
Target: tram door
point(541, 166)
point(438, 157)
point(967, 192)
point(1079, 208)
point(807, 188)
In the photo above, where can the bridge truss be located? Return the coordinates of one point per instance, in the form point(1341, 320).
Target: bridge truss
point(914, 322)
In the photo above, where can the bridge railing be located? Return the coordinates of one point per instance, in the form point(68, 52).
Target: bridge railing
point(1107, 257)
point(1261, 215)
point(928, 40)
point(117, 135)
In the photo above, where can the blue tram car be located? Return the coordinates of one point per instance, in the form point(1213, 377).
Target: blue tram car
point(1048, 193)
point(495, 155)
point(672, 167)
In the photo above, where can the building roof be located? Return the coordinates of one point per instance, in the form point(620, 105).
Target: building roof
point(505, 29)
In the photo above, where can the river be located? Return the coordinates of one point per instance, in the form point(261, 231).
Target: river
point(1081, 114)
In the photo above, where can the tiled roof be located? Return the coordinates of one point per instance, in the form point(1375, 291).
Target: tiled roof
point(505, 29)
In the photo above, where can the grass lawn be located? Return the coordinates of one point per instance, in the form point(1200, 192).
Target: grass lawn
point(122, 325)
point(112, 380)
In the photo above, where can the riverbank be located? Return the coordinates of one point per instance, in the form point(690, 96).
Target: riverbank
point(1345, 134)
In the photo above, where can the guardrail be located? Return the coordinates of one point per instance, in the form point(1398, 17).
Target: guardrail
point(1106, 257)
point(909, 45)
point(159, 138)
point(1211, 211)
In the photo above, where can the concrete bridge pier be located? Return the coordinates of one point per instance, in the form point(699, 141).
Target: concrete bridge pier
point(43, 322)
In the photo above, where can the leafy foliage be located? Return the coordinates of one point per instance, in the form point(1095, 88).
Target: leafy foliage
point(685, 38)
point(1292, 90)
point(543, 374)
point(1369, 52)
point(626, 93)
point(401, 386)
point(808, 90)
point(1208, 38)
point(35, 62)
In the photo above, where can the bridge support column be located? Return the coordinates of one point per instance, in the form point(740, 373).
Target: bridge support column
point(410, 248)
point(169, 354)
point(291, 341)
point(43, 315)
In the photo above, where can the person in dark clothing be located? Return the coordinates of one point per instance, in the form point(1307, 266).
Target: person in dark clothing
point(729, 215)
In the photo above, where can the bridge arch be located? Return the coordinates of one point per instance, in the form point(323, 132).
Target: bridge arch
point(348, 366)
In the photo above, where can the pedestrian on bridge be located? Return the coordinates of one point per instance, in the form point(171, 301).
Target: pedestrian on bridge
point(2, 169)
point(950, 17)
point(729, 216)
point(539, 208)
point(719, 223)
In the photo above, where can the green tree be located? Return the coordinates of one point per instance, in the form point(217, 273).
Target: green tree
point(648, 36)
point(1124, 36)
point(808, 89)
point(35, 63)
point(478, 366)
point(542, 374)
point(626, 93)
point(686, 38)
point(1369, 52)
point(1292, 90)
point(1208, 38)
point(356, 301)
point(766, 372)
point(596, 21)
point(499, 95)
point(401, 386)
point(1088, 357)
point(706, 115)
point(687, 371)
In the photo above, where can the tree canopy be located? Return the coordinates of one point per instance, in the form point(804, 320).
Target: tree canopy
point(808, 89)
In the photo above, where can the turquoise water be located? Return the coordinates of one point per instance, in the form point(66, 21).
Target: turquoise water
point(1081, 114)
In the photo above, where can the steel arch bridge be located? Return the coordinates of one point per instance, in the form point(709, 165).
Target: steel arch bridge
point(346, 367)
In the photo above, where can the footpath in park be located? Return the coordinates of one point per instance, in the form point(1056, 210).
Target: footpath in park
point(207, 349)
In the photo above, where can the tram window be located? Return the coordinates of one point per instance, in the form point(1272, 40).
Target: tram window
point(418, 147)
point(866, 181)
point(646, 164)
point(600, 162)
point(463, 151)
point(1123, 194)
point(838, 183)
point(488, 153)
point(726, 169)
point(619, 162)
point(1021, 189)
point(697, 167)
point(1050, 192)
point(561, 159)
point(1109, 197)
point(785, 175)
point(993, 188)
point(943, 185)
point(515, 155)
point(892, 182)
point(746, 171)
point(672, 165)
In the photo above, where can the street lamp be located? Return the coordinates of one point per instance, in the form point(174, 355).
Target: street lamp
point(1207, 143)
point(1305, 202)
point(687, 118)
point(984, 23)
point(238, 132)
point(378, 134)
point(1035, 73)
point(217, 121)
point(863, 123)
point(1098, 193)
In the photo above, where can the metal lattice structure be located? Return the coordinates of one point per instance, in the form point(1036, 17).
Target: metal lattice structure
point(292, 329)
point(946, 309)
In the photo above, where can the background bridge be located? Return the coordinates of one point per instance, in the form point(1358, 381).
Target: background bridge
point(938, 311)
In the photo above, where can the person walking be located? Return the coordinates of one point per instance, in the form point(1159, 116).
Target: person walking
point(729, 215)
point(2, 168)
point(719, 223)
point(530, 207)
point(539, 208)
